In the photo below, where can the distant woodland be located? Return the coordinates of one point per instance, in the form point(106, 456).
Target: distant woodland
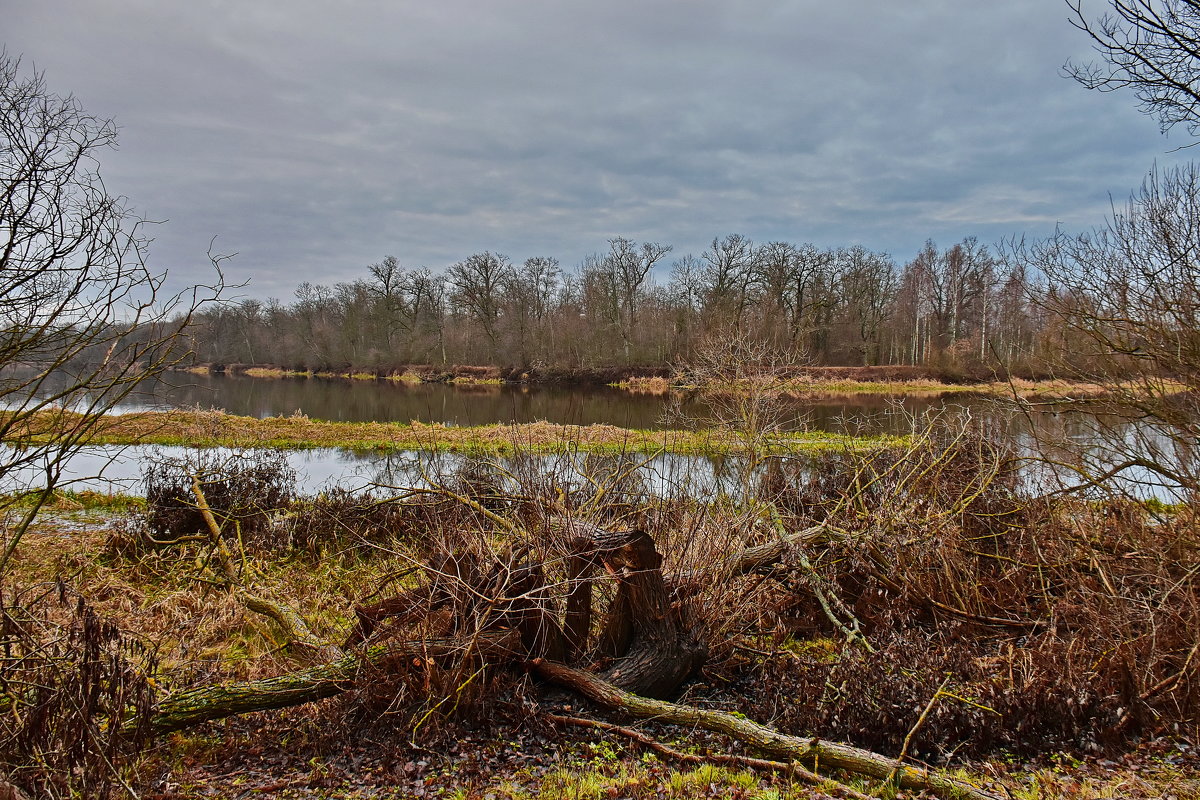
point(959, 310)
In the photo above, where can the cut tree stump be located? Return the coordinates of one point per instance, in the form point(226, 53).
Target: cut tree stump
point(657, 649)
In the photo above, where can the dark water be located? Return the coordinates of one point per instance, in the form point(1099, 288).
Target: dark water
point(391, 401)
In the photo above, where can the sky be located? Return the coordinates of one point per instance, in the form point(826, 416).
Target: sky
point(314, 138)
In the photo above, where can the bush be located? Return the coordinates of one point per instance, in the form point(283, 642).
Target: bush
point(241, 488)
point(78, 697)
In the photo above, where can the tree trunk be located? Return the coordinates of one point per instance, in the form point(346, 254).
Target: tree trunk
point(188, 707)
point(660, 651)
point(829, 755)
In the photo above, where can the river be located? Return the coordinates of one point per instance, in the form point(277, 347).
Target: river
point(343, 400)
point(119, 469)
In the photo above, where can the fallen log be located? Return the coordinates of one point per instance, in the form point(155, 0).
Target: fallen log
point(792, 770)
point(188, 707)
point(829, 755)
point(647, 633)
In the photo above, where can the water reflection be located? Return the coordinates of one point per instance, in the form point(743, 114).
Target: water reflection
point(111, 468)
point(1090, 438)
point(391, 401)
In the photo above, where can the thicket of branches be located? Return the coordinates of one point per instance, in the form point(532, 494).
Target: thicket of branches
point(83, 317)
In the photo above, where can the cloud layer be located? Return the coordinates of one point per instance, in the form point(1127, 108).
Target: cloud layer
point(314, 138)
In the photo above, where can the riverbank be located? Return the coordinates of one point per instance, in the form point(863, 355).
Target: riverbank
point(800, 382)
point(446, 373)
point(819, 387)
point(217, 429)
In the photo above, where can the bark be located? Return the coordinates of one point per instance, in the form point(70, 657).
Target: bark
point(662, 652)
point(578, 618)
point(792, 769)
point(829, 755)
point(188, 707)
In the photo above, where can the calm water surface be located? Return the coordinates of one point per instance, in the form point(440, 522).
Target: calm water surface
point(120, 468)
point(393, 401)
point(383, 401)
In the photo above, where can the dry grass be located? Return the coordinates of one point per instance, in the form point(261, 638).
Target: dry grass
point(213, 428)
point(272, 372)
point(653, 385)
point(809, 388)
point(818, 387)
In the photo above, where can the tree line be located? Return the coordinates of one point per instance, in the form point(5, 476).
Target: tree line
point(958, 308)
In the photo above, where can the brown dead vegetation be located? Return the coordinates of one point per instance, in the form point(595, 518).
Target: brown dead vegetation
point(77, 696)
point(910, 601)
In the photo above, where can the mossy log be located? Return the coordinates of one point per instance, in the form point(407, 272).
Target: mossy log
point(821, 754)
point(188, 707)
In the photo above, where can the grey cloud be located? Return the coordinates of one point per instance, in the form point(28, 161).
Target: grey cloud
point(316, 137)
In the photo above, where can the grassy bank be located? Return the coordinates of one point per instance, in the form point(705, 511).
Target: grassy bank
point(213, 429)
point(805, 383)
point(818, 387)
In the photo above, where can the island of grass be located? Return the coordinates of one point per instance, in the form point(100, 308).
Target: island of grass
point(217, 429)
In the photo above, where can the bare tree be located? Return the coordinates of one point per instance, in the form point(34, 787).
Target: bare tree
point(1123, 304)
point(476, 287)
point(866, 286)
point(948, 293)
point(630, 265)
point(429, 310)
point(529, 294)
point(728, 274)
point(1151, 47)
point(83, 318)
point(388, 284)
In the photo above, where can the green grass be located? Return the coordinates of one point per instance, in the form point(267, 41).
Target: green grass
point(216, 429)
point(71, 500)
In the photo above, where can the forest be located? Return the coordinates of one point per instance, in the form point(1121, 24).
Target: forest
point(959, 310)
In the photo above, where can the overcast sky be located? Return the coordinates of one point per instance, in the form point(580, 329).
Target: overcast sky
point(314, 138)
